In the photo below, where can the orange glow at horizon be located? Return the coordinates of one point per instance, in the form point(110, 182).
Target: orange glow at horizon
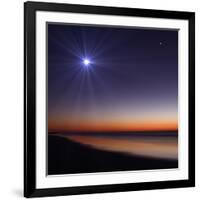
point(147, 125)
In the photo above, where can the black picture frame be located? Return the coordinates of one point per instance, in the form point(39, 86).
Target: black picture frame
point(30, 9)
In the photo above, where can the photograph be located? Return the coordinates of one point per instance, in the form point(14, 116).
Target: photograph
point(112, 98)
point(109, 98)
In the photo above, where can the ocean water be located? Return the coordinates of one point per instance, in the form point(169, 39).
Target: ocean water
point(160, 145)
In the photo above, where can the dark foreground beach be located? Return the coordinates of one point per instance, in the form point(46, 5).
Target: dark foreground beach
point(67, 156)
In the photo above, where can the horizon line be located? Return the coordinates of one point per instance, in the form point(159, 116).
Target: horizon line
point(109, 131)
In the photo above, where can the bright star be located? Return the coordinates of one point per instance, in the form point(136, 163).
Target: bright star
point(86, 62)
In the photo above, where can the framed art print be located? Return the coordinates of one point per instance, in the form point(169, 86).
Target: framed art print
point(109, 99)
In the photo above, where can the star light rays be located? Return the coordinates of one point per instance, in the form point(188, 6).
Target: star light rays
point(84, 76)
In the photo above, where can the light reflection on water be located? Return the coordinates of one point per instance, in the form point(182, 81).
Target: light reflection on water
point(165, 147)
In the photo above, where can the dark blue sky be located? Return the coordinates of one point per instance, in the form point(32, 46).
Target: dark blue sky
point(132, 80)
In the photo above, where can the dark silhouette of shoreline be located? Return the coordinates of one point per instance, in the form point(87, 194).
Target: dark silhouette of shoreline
point(69, 157)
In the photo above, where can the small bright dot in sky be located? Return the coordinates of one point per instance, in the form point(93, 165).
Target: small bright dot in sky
point(86, 62)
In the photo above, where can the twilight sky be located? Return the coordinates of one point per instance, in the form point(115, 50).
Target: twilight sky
point(129, 84)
